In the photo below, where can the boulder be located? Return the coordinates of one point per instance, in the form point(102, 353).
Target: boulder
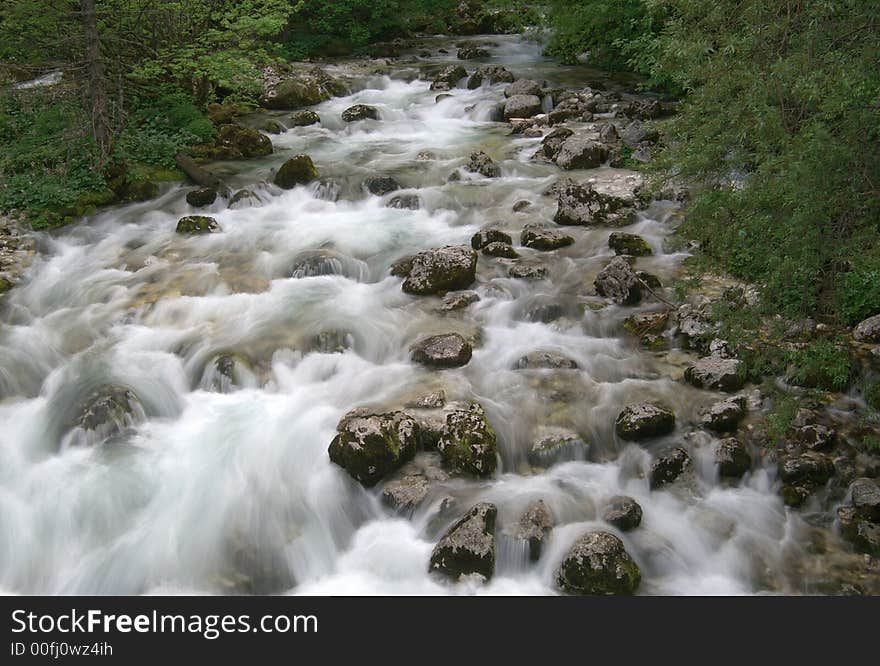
point(370, 446)
point(539, 237)
point(302, 89)
point(521, 205)
point(863, 534)
point(809, 468)
point(405, 202)
point(449, 350)
point(715, 373)
point(360, 112)
point(732, 458)
point(868, 330)
point(272, 126)
point(522, 106)
point(523, 87)
point(468, 547)
point(489, 235)
point(241, 142)
point(553, 142)
point(630, 244)
point(667, 468)
point(865, 495)
point(527, 272)
point(304, 118)
point(482, 164)
point(580, 153)
point(643, 420)
point(815, 437)
point(381, 185)
point(500, 250)
point(468, 443)
point(109, 410)
point(598, 564)
point(491, 73)
point(441, 269)
point(533, 528)
point(203, 196)
point(557, 446)
point(449, 77)
point(724, 415)
point(197, 224)
point(644, 109)
point(471, 52)
point(298, 170)
point(637, 132)
point(583, 205)
point(458, 300)
point(406, 493)
point(623, 512)
point(619, 282)
point(244, 198)
point(642, 323)
point(545, 360)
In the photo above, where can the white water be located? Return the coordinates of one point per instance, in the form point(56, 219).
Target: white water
point(213, 486)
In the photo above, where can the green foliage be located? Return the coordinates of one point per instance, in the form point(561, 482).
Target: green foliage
point(781, 414)
point(823, 364)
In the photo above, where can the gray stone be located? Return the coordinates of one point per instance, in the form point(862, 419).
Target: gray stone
point(598, 564)
point(715, 373)
point(643, 420)
point(619, 282)
point(468, 547)
point(623, 512)
point(441, 269)
point(449, 350)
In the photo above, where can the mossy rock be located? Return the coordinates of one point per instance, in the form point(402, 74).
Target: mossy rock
point(197, 224)
point(370, 446)
point(630, 244)
point(598, 564)
point(468, 442)
point(298, 170)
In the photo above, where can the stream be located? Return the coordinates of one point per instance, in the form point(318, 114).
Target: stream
point(223, 484)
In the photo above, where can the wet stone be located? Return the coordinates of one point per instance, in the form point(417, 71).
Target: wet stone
point(533, 527)
point(468, 547)
point(557, 446)
point(667, 468)
point(732, 457)
point(486, 236)
point(503, 250)
point(623, 512)
point(449, 350)
point(458, 300)
point(724, 415)
point(598, 564)
point(545, 360)
point(644, 420)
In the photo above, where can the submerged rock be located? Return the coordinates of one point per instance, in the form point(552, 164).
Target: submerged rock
point(442, 351)
point(598, 564)
point(370, 446)
point(197, 224)
point(441, 269)
point(539, 237)
point(545, 360)
point(449, 77)
point(715, 373)
point(630, 244)
point(298, 170)
point(360, 112)
point(471, 52)
point(527, 272)
point(468, 547)
point(405, 202)
point(557, 446)
point(203, 196)
point(643, 420)
point(487, 236)
point(482, 164)
point(109, 410)
point(468, 443)
point(458, 300)
point(667, 468)
point(619, 282)
point(381, 185)
point(304, 118)
point(623, 512)
point(504, 250)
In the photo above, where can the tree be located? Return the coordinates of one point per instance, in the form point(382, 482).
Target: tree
point(97, 84)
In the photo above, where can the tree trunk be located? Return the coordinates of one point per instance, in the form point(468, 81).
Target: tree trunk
point(97, 90)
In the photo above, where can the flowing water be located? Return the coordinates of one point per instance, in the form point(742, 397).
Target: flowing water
point(226, 485)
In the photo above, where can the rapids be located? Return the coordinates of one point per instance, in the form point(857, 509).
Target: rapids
point(232, 490)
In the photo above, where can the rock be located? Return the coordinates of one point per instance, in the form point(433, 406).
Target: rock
point(865, 496)
point(641, 323)
point(439, 98)
point(471, 52)
point(583, 205)
point(794, 496)
point(468, 443)
point(197, 224)
point(243, 142)
point(449, 77)
point(441, 269)
point(381, 185)
point(204, 196)
point(545, 360)
point(433, 400)
point(304, 118)
point(642, 420)
point(814, 436)
point(449, 350)
point(807, 468)
point(732, 458)
point(302, 89)
point(370, 446)
point(724, 415)
point(402, 267)
point(468, 547)
point(619, 282)
point(272, 126)
point(482, 164)
point(491, 73)
point(406, 493)
point(298, 170)
point(630, 244)
point(458, 300)
point(500, 250)
point(522, 106)
point(715, 373)
point(557, 446)
point(579, 153)
point(644, 109)
point(868, 330)
point(864, 535)
point(637, 132)
point(243, 199)
point(669, 467)
point(694, 326)
point(533, 527)
point(360, 112)
point(539, 237)
point(405, 202)
point(598, 564)
point(521, 205)
point(608, 133)
point(489, 235)
point(527, 272)
point(623, 512)
point(109, 410)
point(553, 142)
point(523, 87)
